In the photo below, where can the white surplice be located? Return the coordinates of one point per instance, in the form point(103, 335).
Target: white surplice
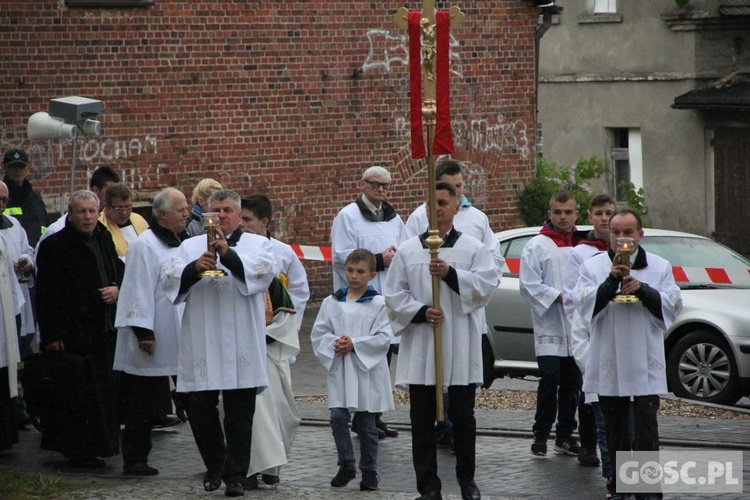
point(409, 287)
point(11, 303)
point(296, 286)
point(468, 220)
point(359, 380)
point(222, 337)
point(143, 303)
point(541, 281)
point(350, 230)
point(276, 417)
point(626, 348)
point(17, 244)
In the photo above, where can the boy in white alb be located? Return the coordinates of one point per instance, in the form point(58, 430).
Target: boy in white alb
point(351, 338)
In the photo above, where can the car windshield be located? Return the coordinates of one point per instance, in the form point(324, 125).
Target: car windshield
point(694, 254)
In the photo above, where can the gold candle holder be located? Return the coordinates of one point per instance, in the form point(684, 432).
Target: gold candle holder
point(626, 248)
point(210, 221)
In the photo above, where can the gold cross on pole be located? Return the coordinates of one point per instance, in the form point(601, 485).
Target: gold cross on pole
point(429, 111)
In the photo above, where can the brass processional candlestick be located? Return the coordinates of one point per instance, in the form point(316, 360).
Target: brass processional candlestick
point(625, 247)
point(210, 221)
point(429, 112)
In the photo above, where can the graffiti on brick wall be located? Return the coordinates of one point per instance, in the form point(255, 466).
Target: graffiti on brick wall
point(46, 155)
point(387, 50)
point(99, 150)
point(486, 136)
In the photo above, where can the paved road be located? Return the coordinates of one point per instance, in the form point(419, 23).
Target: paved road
point(505, 467)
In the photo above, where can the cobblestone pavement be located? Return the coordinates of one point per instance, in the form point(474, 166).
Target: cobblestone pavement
point(505, 467)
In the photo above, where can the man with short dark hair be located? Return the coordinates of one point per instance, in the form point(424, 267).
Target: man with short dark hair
point(148, 329)
point(26, 204)
point(626, 352)
point(468, 278)
point(543, 262)
point(119, 219)
point(78, 280)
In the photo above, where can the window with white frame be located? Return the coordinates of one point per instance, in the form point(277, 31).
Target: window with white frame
point(605, 6)
point(626, 159)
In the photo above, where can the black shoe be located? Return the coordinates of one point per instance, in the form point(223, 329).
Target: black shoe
point(342, 478)
point(165, 421)
point(588, 457)
point(567, 446)
point(391, 433)
point(370, 480)
point(381, 434)
point(610, 487)
point(539, 446)
point(91, 462)
point(234, 490)
point(211, 481)
point(251, 482)
point(431, 495)
point(269, 479)
point(470, 491)
point(140, 469)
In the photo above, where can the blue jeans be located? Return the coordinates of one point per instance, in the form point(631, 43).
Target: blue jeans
point(559, 389)
point(368, 438)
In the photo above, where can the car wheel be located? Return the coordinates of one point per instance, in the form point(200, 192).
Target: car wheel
point(488, 363)
point(701, 366)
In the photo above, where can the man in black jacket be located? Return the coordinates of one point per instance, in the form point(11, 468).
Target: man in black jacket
point(26, 204)
point(78, 280)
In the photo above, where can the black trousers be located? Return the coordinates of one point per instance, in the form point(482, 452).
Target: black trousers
point(615, 411)
point(422, 413)
point(586, 424)
point(230, 458)
point(146, 400)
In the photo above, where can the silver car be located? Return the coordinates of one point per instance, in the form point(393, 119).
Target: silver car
point(708, 347)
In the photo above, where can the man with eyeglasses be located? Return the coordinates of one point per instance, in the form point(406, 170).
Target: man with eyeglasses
point(373, 224)
point(118, 217)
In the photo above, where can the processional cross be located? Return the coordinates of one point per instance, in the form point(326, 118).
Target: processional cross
point(429, 60)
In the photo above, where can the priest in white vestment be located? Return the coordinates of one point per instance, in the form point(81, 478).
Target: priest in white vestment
point(626, 349)
point(222, 339)
point(148, 326)
point(469, 276)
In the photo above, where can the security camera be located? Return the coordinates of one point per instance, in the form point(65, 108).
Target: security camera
point(43, 126)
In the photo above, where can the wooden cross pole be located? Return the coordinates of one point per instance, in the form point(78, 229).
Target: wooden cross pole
point(429, 112)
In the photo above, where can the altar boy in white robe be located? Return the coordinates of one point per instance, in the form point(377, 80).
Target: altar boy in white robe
point(351, 338)
point(468, 277)
point(626, 350)
point(148, 326)
point(222, 339)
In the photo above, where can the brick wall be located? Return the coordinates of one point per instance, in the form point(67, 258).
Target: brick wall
point(292, 99)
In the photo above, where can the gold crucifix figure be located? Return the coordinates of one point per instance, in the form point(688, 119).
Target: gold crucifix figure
point(429, 112)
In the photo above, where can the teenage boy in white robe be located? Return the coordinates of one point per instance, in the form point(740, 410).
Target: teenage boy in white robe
point(351, 338)
point(468, 278)
point(148, 327)
point(276, 417)
point(626, 350)
point(541, 277)
point(222, 339)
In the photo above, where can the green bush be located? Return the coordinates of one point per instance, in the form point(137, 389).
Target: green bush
point(533, 201)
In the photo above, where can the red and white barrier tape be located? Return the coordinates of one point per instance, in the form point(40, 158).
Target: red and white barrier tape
point(681, 274)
